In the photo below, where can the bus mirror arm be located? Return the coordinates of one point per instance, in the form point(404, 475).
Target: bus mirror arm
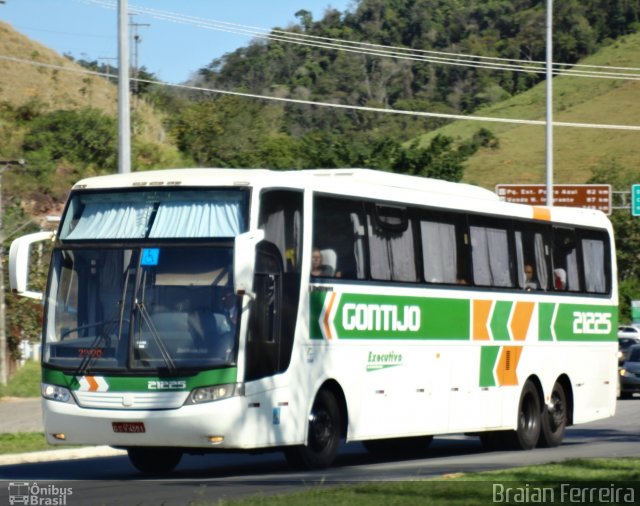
point(244, 258)
point(19, 259)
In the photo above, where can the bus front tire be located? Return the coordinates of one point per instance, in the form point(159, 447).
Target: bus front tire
point(323, 438)
point(154, 460)
point(554, 418)
point(527, 432)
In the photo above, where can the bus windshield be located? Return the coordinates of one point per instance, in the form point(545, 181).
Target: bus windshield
point(155, 214)
point(163, 308)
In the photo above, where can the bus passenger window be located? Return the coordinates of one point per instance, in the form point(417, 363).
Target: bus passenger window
point(596, 274)
point(338, 239)
point(565, 258)
point(490, 254)
point(391, 249)
point(440, 256)
point(532, 257)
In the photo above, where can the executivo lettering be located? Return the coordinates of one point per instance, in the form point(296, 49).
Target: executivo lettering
point(376, 361)
point(387, 317)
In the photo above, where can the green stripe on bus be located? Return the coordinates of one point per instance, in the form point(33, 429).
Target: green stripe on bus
point(545, 317)
point(500, 320)
point(369, 316)
point(488, 357)
point(141, 383)
point(315, 309)
point(583, 322)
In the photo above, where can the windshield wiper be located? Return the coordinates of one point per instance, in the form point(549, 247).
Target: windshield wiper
point(102, 336)
point(166, 356)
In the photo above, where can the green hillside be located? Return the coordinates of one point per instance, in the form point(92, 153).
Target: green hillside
point(520, 154)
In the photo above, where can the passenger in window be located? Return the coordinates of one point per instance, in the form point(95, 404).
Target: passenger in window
point(530, 282)
point(318, 267)
point(560, 279)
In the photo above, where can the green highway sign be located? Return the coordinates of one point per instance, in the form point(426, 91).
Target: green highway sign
point(635, 199)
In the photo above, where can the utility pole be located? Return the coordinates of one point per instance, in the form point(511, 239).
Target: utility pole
point(137, 39)
point(549, 82)
point(108, 59)
point(124, 119)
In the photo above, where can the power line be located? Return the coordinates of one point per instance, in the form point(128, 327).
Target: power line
point(337, 106)
point(402, 53)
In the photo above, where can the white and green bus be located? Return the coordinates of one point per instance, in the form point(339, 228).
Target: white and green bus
point(196, 310)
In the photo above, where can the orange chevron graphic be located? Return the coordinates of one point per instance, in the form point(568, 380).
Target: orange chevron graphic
point(507, 365)
point(481, 312)
point(93, 384)
point(327, 314)
point(520, 319)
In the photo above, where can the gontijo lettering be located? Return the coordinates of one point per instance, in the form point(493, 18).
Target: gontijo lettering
point(380, 317)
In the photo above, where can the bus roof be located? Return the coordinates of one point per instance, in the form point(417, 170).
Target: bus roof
point(356, 181)
point(290, 178)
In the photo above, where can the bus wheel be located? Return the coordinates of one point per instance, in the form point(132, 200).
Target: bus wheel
point(323, 438)
point(154, 460)
point(554, 418)
point(398, 447)
point(526, 436)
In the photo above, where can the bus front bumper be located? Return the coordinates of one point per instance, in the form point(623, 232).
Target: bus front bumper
point(217, 424)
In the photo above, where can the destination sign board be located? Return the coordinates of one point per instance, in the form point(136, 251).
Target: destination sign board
point(589, 196)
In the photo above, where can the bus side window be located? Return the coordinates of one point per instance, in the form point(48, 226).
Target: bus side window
point(597, 274)
point(391, 246)
point(532, 256)
point(490, 253)
point(565, 259)
point(338, 230)
point(444, 252)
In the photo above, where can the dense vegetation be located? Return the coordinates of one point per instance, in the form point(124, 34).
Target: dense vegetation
point(493, 28)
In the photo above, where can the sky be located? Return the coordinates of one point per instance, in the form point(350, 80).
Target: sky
point(170, 48)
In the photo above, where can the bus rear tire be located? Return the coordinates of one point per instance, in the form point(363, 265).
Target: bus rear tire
point(154, 460)
point(527, 433)
point(323, 439)
point(398, 447)
point(554, 418)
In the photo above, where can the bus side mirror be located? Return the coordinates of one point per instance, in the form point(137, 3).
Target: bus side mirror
point(244, 258)
point(19, 260)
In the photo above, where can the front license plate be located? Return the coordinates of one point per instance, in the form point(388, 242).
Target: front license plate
point(128, 427)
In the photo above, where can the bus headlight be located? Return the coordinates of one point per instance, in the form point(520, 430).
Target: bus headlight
point(214, 393)
point(56, 393)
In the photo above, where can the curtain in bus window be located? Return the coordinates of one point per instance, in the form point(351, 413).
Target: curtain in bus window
point(392, 254)
point(108, 220)
point(520, 260)
point(297, 242)
point(439, 253)
point(358, 245)
point(541, 263)
point(274, 229)
point(187, 219)
point(594, 273)
point(490, 256)
point(573, 279)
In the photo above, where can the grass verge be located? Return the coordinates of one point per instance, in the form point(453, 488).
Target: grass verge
point(25, 383)
point(583, 481)
point(23, 442)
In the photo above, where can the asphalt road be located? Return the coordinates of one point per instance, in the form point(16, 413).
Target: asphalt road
point(198, 478)
point(20, 415)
